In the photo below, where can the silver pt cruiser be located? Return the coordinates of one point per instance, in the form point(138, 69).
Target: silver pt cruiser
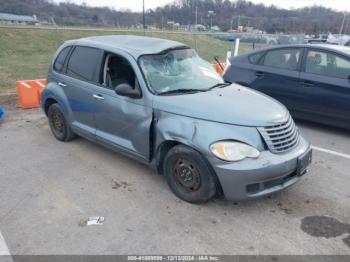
point(157, 101)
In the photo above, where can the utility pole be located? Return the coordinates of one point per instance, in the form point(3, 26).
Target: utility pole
point(196, 21)
point(347, 25)
point(162, 22)
point(211, 14)
point(143, 15)
point(342, 24)
point(57, 32)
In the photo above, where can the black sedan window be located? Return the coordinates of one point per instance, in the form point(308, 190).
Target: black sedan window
point(287, 58)
point(255, 58)
point(328, 64)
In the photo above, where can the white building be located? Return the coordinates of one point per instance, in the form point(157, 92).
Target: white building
point(6, 18)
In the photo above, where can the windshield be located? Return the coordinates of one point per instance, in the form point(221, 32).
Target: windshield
point(179, 69)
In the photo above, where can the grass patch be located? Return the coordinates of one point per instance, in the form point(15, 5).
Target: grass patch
point(26, 53)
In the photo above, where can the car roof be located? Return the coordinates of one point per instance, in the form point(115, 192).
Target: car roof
point(327, 47)
point(338, 48)
point(134, 45)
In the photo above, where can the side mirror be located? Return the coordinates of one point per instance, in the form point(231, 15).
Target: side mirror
point(127, 90)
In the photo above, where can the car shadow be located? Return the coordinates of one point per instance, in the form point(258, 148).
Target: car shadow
point(323, 128)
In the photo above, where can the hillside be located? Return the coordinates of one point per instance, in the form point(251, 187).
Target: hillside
point(269, 18)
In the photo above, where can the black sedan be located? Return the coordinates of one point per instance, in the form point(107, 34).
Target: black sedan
point(312, 81)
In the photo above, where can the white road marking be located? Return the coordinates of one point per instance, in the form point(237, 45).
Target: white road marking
point(330, 152)
point(4, 251)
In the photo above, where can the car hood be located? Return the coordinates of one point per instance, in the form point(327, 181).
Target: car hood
point(234, 104)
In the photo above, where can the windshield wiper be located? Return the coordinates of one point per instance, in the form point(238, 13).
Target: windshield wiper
point(191, 91)
point(181, 91)
point(221, 85)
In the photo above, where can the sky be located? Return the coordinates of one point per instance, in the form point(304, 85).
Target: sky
point(136, 5)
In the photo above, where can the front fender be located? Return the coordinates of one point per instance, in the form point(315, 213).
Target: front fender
point(200, 134)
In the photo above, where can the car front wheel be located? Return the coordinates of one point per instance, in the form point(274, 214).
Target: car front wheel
point(58, 124)
point(188, 175)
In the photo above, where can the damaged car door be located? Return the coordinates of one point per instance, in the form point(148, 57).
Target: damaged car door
point(122, 116)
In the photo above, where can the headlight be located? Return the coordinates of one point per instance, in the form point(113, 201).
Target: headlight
point(233, 151)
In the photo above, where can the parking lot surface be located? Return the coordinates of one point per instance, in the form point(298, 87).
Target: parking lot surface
point(48, 189)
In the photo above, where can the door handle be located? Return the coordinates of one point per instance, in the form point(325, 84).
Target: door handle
point(98, 97)
point(308, 84)
point(62, 84)
point(259, 74)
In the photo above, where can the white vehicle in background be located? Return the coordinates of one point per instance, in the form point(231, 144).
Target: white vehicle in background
point(321, 38)
point(339, 39)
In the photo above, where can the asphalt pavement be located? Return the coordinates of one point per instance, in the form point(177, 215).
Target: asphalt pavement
point(48, 189)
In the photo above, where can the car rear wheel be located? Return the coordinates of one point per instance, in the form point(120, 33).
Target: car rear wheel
point(58, 124)
point(188, 175)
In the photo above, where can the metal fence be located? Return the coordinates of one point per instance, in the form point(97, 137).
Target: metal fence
point(203, 42)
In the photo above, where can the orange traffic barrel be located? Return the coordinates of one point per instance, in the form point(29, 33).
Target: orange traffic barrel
point(218, 68)
point(29, 92)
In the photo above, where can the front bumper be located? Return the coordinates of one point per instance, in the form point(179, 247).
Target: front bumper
point(252, 178)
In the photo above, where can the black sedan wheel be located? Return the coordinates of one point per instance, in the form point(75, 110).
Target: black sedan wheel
point(58, 124)
point(188, 175)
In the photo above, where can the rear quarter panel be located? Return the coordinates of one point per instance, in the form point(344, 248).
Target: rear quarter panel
point(54, 91)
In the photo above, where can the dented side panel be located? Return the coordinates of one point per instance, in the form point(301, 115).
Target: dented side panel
point(124, 125)
point(200, 134)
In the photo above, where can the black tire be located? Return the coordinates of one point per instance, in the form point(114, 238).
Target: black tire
point(58, 124)
point(188, 175)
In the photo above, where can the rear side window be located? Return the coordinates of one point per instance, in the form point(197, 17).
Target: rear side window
point(327, 64)
point(287, 58)
point(83, 63)
point(61, 58)
point(255, 58)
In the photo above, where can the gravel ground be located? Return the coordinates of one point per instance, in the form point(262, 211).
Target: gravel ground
point(48, 189)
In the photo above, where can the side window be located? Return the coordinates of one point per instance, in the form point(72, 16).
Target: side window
point(61, 58)
point(287, 58)
point(328, 64)
point(83, 63)
point(118, 71)
point(255, 58)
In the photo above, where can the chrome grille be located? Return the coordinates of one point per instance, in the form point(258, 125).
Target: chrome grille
point(280, 137)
